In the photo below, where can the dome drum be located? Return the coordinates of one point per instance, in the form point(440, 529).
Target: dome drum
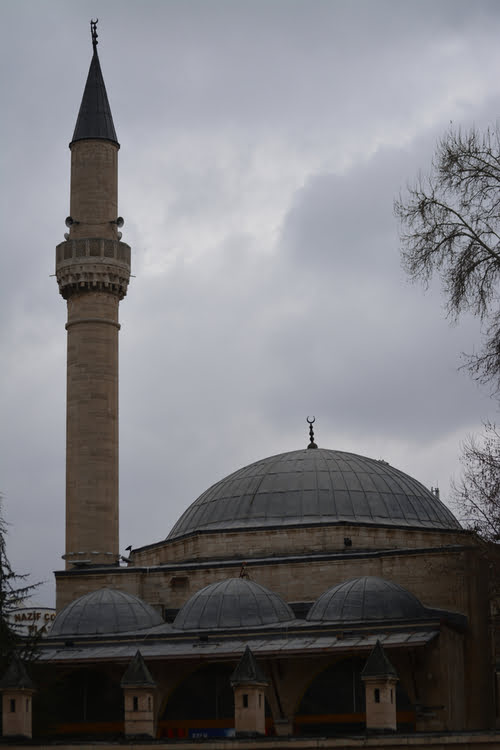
point(325, 538)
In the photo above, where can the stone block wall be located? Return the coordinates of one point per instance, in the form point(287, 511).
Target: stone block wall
point(439, 577)
point(94, 189)
point(92, 428)
point(293, 540)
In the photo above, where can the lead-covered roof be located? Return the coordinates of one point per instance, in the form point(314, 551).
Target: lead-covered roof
point(378, 664)
point(368, 598)
point(308, 487)
point(94, 118)
point(105, 611)
point(232, 603)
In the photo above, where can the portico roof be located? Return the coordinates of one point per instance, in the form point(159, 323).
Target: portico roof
point(218, 646)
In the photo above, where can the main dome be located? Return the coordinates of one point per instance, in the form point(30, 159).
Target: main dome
point(310, 487)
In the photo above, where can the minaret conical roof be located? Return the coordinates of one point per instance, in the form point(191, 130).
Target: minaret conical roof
point(247, 671)
point(94, 118)
point(377, 664)
point(16, 676)
point(137, 673)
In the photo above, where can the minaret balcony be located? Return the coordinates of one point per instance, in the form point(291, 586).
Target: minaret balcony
point(93, 264)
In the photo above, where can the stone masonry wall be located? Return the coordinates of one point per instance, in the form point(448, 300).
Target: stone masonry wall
point(435, 576)
point(94, 189)
point(289, 540)
point(92, 428)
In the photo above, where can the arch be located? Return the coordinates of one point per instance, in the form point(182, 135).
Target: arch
point(86, 701)
point(202, 704)
point(334, 701)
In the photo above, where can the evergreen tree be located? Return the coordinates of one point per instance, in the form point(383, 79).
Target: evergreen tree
point(13, 593)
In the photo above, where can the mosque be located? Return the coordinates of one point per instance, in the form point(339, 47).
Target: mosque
point(312, 594)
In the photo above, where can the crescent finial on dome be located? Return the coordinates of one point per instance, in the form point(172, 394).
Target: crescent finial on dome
point(310, 422)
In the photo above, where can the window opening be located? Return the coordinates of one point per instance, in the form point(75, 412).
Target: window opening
point(377, 695)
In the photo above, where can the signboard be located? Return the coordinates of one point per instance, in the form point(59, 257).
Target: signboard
point(205, 734)
point(30, 620)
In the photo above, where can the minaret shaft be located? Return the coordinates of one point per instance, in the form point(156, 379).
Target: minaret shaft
point(92, 428)
point(93, 271)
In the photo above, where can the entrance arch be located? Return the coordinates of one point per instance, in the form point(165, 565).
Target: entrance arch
point(202, 705)
point(334, 702)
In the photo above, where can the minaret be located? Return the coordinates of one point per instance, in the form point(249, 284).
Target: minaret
point(93, 271)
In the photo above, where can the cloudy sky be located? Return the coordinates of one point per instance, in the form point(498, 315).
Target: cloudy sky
point(262, 145)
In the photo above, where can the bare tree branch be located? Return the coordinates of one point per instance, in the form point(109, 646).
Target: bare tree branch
point(477, 494)
point(450, 227)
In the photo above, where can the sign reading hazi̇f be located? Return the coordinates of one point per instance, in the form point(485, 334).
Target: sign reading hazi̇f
point(93, 271)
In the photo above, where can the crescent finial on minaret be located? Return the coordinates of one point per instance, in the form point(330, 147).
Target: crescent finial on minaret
point(93, 31)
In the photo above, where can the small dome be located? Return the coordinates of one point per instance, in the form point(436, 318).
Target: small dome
point(105, 611)
point(313, 487)
point(367, 598)
point(233, 603)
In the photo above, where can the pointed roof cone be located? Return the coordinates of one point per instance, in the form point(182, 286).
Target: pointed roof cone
point(137, 673)
point(16, 676)
point(377, 664)
point(94, 118)
point(248, 671)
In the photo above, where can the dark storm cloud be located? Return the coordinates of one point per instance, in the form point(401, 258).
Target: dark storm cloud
point(389, 351)
point(262, 146)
